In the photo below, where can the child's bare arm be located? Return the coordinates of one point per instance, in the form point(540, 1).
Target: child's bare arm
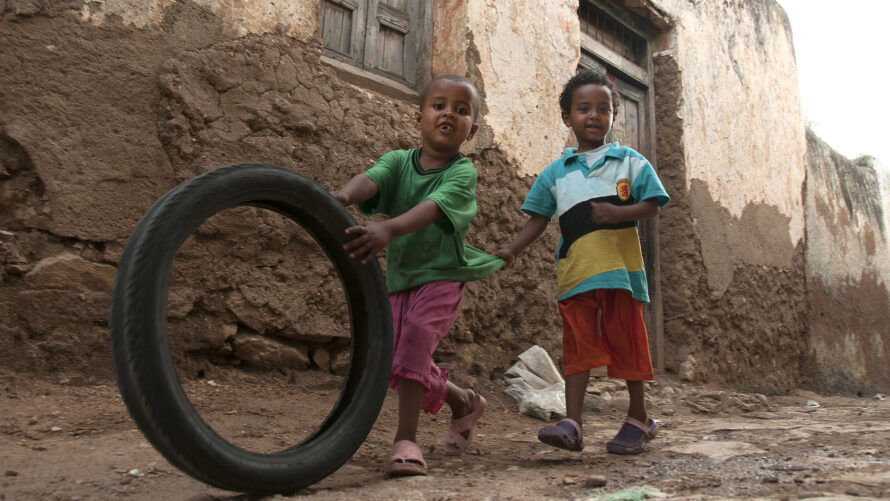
point(374, 236)
point(530, 232)
point(356, 190)
point(606, 213)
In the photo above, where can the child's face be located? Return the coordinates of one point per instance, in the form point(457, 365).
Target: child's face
point(590, 115)
point(445, 118)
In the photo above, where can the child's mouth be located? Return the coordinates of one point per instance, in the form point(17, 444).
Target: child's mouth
point(445, 128)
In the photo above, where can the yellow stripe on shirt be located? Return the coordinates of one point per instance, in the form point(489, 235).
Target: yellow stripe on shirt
point(598, 252)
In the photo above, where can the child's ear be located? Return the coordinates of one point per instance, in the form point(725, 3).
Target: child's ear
point(418, 116)
point(472, 133)
point(565, 119)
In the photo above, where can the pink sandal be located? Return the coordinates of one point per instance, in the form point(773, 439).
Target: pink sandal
point(455, 443)
point(407, 459)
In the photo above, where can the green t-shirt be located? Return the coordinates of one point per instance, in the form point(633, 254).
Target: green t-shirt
point(437, 251)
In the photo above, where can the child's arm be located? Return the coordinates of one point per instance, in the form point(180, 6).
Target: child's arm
point(530, 232)
point(356, 190)
point(375, 236)
point(606, 213)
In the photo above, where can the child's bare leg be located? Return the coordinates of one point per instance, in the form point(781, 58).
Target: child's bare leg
point(576, 388)
point(411, 394)
point(636, 394)
point(565, 434)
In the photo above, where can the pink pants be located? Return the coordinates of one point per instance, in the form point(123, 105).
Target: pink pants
point(421, 316)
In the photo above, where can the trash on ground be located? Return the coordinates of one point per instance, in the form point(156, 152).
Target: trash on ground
point(633, 494)
point(535, 382)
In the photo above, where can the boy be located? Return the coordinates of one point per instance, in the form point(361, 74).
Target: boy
point(430, 195)
point(599, 191)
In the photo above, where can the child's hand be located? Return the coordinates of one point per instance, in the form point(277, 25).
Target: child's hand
point(604, 213)
point(506, 255)
point(372, 238)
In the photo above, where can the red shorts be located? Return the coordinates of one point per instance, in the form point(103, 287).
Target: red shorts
point(605, 327)
point(421, 316)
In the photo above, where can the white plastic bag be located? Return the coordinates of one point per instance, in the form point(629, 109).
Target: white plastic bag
point(536, 384)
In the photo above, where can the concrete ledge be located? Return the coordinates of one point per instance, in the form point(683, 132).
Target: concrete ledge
point(372, 81)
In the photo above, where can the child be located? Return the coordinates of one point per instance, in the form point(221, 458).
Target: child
point(598, 191)
point(430, 196)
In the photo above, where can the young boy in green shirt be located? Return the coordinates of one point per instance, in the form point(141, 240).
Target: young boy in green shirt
point(430, 196)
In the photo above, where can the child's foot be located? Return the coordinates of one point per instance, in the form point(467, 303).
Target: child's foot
point(460, 431)
point(633, 437)
point(407, 459)
point(565, 434)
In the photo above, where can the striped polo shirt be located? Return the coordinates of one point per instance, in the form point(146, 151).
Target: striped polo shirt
point(594, 256)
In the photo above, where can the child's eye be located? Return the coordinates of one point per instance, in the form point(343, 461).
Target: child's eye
point(462, 110)
point(583, 109)
point(438, 106)
point(605, 109)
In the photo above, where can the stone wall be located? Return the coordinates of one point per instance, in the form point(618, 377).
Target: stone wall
point(730, 150)
point(848, 272)
point(103, 109)
point(105, 106)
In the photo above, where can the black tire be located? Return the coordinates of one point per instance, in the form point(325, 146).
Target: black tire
point(140, 350)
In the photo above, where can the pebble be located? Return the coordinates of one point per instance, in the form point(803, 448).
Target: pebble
point(595, 481)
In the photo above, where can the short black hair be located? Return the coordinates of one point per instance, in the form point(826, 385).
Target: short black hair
point(477, 102)
point(585, 77)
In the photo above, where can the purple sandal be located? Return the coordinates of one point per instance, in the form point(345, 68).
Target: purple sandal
point(633, 437)
point(565, 434)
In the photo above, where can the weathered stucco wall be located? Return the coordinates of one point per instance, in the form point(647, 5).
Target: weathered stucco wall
point(744, 132)
point(730, 149)
point(102, 114)
point(520, 54)
point(104, 106)
point(848, 273)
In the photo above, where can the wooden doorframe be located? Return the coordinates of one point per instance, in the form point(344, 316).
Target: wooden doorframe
point(640, 79)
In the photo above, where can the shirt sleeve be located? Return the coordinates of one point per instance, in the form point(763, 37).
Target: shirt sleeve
point(647, 186)
point(456, 198)
point(540, 200)
point(383, 173)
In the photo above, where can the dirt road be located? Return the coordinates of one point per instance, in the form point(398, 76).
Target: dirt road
point(69, 440)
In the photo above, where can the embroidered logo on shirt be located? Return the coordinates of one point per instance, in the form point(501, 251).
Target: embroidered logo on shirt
point(623, 189)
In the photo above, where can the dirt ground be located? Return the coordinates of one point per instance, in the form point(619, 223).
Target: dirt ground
point(65, 440)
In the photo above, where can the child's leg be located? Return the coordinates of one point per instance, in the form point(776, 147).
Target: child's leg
point(582, 349)
point(566, 434)
point(576, 388)
point(411, 394)
point(421, 317)
point(637, 407)
point(624, 330)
